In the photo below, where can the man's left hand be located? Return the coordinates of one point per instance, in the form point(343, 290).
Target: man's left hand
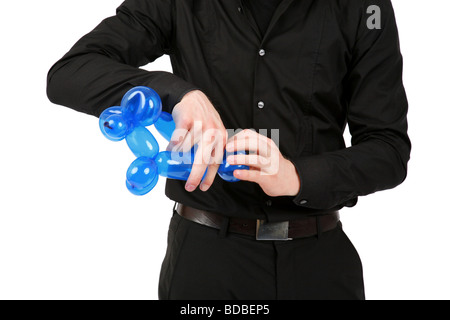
point(276, 175)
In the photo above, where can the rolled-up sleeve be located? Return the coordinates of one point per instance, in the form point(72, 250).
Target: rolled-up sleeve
point(377, 119)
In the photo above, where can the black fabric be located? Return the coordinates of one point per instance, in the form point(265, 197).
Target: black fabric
point(200, 264)
point(321, 68)
point(262, 12)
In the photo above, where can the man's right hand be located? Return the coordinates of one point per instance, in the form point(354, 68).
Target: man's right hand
point(198, 122)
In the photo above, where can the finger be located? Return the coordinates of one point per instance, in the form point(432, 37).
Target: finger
point(253, 145)
point(214, 164)
point(248, 175)
point(252, 160)
point(201, 161)
point(192, 137)
point(242, 144)
point(215, 135)
point(248, 140)
point(186, 145)
point(177, 138)
point(209, 178)
point(246, 134)
point(182, 127)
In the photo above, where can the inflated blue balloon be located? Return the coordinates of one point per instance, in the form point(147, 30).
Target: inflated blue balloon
point(142, 107)
point(112, 124)
point(142, 143)
point(142, 176)
point(165, 125)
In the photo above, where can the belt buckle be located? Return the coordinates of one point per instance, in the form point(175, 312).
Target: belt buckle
point(272, 231)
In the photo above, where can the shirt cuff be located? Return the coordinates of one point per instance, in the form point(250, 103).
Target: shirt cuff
point(318, 190)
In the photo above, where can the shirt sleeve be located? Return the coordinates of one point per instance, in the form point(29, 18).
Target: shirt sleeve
point(377, 119)
point(104, 64)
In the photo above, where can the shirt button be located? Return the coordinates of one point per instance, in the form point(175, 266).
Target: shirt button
point(269, 203)
point(303, 202)
point(262, 52)
point(260, 104)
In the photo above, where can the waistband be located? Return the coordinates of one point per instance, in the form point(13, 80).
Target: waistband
point(304, 227)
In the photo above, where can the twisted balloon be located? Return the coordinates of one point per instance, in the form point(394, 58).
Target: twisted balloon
point(141, 107)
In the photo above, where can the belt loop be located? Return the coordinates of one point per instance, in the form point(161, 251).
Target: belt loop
point(174, 210)
point(318, 226)
point(224, 227)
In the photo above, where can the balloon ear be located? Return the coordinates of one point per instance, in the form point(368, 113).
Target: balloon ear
point(105, 115)
point(109, 112)
point(115, 128)
point(141, 106)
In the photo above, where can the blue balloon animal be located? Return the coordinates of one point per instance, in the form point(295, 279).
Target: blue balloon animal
point(141, 107)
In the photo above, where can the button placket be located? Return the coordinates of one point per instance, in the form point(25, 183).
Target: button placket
point(261, 53)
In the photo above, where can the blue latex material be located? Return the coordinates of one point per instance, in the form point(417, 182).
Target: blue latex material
point(140, 108)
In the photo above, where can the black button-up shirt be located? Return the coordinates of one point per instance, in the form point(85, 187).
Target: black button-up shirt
point(318, 66)
point(262, 12)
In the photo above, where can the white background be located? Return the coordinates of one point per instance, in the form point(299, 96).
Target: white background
point(69, 229)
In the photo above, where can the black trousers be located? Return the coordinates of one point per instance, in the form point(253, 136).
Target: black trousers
point(202, 264)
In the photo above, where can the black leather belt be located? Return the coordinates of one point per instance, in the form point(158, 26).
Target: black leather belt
point(307, 226)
